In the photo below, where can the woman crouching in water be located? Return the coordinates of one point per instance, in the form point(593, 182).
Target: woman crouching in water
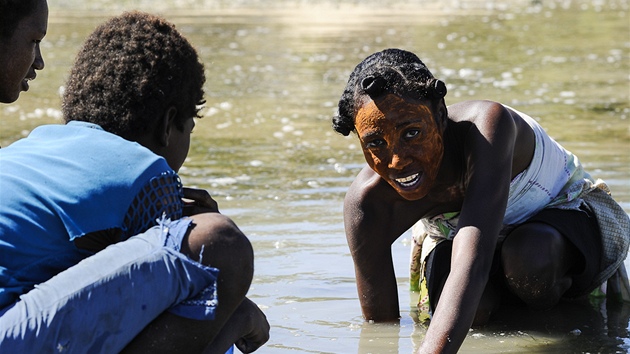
point(500, 209)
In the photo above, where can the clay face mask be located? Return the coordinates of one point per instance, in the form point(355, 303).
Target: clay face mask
point(402, 143)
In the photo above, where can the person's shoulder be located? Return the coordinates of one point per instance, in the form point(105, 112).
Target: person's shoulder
point(88, 140)
point(369, 187)
point(368, 180)
point(475, 110)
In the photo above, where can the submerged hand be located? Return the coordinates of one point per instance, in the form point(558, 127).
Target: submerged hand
point(199, 201)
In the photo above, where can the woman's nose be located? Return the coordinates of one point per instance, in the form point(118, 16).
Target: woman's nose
point(398, 160)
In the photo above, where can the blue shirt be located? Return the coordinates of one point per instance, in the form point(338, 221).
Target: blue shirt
point(65, 181)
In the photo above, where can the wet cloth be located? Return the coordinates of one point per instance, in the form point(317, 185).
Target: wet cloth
point(554, 179)
point(102, 303)
point(65, 181)
point(579, 226)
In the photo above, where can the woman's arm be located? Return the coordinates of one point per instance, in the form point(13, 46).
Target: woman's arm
point(490, 148)
point(373, 221)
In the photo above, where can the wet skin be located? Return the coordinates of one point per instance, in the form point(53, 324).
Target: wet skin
point(20, 54)
point(484, 146)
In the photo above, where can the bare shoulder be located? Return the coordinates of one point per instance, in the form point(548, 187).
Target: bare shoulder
point(497, 122)
point(369, 186)
point(371, 203)
point(477, 111)
point(491, 117)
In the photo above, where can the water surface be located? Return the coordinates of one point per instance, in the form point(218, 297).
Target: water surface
point(266, 152)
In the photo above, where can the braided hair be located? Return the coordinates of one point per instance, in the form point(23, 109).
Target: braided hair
point(391, 71)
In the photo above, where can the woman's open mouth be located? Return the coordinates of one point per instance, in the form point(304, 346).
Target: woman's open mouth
point(409, 181)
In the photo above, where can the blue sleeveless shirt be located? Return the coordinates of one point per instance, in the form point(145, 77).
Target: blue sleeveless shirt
point(65, 181)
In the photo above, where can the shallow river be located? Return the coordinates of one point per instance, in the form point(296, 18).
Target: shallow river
point(266, 152)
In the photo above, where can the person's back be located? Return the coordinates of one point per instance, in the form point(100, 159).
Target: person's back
point(89, 192)
point(58, 186)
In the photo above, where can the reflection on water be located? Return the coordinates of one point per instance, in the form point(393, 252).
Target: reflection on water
point(266, 151)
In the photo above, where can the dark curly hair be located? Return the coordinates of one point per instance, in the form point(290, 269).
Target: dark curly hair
point(391, 71)
point(12, 12)
point(130, 70)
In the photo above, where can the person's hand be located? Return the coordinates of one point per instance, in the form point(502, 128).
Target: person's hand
point(255, 327)
point(197, 201)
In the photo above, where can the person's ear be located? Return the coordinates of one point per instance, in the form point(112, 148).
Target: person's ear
point(166, 124)
point(442, 115)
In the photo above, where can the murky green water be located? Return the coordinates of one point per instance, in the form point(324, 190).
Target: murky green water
point(266, 151)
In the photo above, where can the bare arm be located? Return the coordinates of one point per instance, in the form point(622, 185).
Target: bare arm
point(372, 224)
point(490, 147)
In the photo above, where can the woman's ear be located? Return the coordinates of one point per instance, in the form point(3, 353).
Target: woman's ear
point(442, 115)
point(165, 124)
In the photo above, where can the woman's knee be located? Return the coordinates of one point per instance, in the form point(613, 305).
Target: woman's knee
point(531, 248)
point(536, 260)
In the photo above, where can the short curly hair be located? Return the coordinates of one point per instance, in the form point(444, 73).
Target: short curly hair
point(130, 70)
point(12, 12)
point(391, 71)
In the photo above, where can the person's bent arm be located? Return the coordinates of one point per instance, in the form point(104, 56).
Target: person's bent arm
point(372, 224)
point(489, 162)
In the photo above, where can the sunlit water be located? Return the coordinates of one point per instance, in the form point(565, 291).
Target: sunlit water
point(266, 151)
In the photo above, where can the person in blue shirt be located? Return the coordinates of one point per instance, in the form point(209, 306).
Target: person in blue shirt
point(23, 24)
point(102, 250)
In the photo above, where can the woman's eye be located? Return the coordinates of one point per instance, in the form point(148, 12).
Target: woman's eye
point(412, 133)
point(375, 143)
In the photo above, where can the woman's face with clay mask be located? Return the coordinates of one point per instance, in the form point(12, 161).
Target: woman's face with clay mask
point(401, 142)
